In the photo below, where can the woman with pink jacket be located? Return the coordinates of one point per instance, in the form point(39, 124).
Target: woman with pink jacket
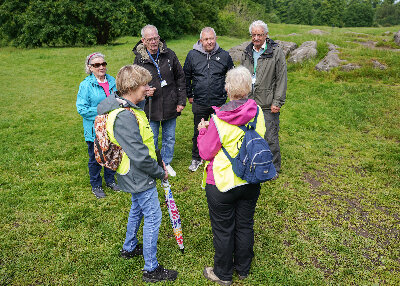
point(231, 201)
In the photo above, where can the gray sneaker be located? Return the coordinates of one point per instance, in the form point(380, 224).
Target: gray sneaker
point(98, 192)
point(208, 272)
point(195, 165)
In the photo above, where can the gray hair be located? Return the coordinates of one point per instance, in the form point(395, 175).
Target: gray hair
point(238, 83)
point(89, 60)
point(146, 28)
point(207, 29)
point(258, 23)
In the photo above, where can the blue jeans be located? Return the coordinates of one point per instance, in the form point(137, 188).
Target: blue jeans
point(168, 138)
point(144, 204)
point(95, 169)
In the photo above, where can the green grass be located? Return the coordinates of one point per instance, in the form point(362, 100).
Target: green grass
point(331, 218)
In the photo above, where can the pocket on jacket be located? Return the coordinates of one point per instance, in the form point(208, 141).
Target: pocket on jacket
point(264, 97)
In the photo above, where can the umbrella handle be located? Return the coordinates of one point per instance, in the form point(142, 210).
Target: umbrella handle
point(150, 101)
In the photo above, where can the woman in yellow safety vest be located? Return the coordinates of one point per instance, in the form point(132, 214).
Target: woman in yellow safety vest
point(139, 169)
point(231, 200)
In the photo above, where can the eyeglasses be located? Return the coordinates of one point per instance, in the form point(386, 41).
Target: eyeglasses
point(97, 65)
point(155, 39)
point(257, 35)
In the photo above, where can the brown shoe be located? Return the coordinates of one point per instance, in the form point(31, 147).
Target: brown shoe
point(208, 272)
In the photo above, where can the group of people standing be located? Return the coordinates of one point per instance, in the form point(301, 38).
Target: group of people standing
point(154, 91)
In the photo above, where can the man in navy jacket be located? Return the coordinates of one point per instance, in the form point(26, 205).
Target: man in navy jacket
point(205, 69)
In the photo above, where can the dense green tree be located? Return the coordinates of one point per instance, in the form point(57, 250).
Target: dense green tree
point(331, 13)
point(358, 13)
point(300, 12)
point(388, 14)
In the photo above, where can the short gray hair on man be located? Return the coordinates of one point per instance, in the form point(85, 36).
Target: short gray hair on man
point(258, 23)
point(238, 83)
point(208, 29)
point(146, 28)
point(89, 60)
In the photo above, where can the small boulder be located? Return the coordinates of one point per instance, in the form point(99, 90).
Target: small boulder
point(317, 32)
point(293, 34)
point(378, 65)
point(330, 61)
point(333, 47)
point(397, 38)
point(306, 51)
point(236, 52)
point(350, 67)
point(287, 47)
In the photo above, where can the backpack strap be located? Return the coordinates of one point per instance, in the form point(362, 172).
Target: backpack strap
point(250, 125)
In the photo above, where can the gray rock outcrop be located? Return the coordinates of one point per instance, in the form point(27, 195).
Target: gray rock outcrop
point(236, 52)
point(350, 67)
point(307, 50)
point(397, 38)
point(377, 65)
point(287, 47)
point(317, 32)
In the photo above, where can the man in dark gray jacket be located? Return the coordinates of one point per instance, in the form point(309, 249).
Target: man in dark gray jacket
point(267, 63)
point(205, 69)
point(169, 97)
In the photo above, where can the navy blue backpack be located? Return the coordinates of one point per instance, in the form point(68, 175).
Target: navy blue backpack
point(254, 160)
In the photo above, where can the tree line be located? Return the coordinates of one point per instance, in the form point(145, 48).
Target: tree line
point(36, 23)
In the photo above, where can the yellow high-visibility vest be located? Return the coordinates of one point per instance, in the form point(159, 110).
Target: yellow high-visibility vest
point(231, 138)
point(145, 132)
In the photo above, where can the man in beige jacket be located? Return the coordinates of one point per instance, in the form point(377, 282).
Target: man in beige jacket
point(266, 62)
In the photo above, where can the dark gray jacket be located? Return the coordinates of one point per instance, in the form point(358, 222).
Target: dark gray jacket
point(205, 75)
point(167, 98)
point(144, 170)
point(271, 81)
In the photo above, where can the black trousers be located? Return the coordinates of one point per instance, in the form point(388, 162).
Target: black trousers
point(199, 112)
point(232, 222)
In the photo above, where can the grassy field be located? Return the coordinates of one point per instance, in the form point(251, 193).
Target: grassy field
point(331, 218)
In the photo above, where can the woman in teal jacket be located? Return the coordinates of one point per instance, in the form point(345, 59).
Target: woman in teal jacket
point(93, 89)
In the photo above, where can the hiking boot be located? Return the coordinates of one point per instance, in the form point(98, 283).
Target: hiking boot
point(171, 171)
point(113, 186)
point(159, 274)
point(208, 272)
point(130, 254)
point(98, 192)
point(195, 165)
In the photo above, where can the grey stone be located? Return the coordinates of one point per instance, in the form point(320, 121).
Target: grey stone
point(378, 65)
point(350, 67)
point(397, 38)
point(332, 47)
point(293, 34)
point(317, 32)
point(287, 47)
point(307, 50)
point(236, 52)
point(330, 61)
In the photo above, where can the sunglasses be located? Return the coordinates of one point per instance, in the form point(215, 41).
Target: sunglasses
point(97, 65)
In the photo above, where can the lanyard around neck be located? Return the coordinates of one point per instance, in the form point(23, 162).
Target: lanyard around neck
point(155, 63)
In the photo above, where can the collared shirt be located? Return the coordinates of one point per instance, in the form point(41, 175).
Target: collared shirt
point(256, 54)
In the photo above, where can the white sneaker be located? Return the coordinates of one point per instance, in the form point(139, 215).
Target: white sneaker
point(195, 165)
point(171, 171)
